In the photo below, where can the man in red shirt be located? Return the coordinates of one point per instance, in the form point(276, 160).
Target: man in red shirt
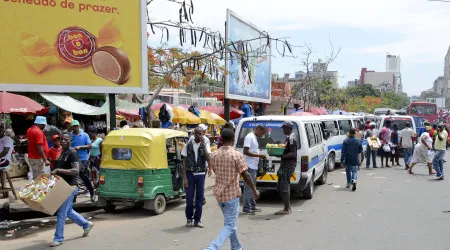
point(37, 146)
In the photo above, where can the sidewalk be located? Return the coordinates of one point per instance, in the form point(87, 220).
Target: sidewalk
point(83, 201)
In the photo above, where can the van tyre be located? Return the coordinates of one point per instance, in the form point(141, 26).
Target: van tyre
point(309, 190)
point(331, 162)
point(158, 205)
point(323, 179)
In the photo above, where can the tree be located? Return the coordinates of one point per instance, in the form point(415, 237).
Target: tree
point(393, 100)
point(362, 90)
point(177, 66)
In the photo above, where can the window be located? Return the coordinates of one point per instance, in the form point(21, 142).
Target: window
point(401, 122)
point(122, 154)
point(357, 123)
point(344, 126)
point(317, 133)
point(331, 127)
point(310, 134)
point(274, 134)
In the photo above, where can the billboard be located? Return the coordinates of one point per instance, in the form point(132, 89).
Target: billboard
point(248, 79)
point(84, 46)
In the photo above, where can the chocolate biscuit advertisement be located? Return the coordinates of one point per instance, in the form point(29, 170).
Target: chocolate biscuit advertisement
point(84, 46)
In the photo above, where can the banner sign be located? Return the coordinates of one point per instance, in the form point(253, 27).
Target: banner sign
point(84, 46)
point(249, 79)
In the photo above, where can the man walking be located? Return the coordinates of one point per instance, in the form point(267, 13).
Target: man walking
point(406, 142)
point(228, 164)
point(196, 155)
point(37, 146)
point(81, 143)
point(440, 148)
point(287, 168)
point(350, 158)
point(67, 166)
point(252, 157)
point(371, 152)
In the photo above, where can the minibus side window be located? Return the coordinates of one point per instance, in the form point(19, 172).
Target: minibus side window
point(344, 126)
point(331, 127)
point(317, 133)
point(310, 134)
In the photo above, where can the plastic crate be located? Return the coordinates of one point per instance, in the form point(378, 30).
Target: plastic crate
point(275, 151)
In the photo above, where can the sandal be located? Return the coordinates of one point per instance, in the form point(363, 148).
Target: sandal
point(410, 172)
point(283, 212)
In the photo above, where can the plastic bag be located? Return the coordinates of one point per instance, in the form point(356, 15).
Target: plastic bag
point(386, 148)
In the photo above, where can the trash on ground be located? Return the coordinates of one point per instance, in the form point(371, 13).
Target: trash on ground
point(300, 210)
point(45, 221)
point(34, 228)
point(337, 186)
point(9, 235)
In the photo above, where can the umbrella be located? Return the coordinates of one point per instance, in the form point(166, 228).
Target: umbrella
point(302, 114)
point(182, 116)
point(19, 104)
point(234, 112)
point(211, 118)
point(319, 111)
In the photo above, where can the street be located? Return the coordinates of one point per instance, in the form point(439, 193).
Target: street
point(390, 210)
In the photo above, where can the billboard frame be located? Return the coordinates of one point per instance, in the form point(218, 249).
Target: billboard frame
point(143, 89)
point(228, 60)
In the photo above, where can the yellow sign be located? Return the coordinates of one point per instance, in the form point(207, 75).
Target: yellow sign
point(87, 46)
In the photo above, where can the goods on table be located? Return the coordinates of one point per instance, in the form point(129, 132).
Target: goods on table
point(37, 189)
point(275, 149)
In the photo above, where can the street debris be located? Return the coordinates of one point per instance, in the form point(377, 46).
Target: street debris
point(45, 221)
point(329, 184)
point(175, 240)
point(9, 235)
point(300, 210)
point(337, 186)
point(370, 174)
point(34, 227)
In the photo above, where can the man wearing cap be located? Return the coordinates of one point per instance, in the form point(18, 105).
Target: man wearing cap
point(371, 152)
point(406, 142)
point(37, 146)
point(55, 151)
point(196, 156)
point(68, 123)
point(440, 146)
point(287, 167)
point(82, 143)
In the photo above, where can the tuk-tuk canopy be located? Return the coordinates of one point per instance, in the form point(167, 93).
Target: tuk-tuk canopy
point(137, 148)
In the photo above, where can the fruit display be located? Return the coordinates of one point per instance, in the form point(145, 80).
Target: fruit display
point(276, 145)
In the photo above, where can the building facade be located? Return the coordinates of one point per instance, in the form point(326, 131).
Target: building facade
point(383, 81)
point(393, 63)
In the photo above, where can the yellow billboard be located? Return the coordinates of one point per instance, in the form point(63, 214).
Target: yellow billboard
point(85, 46)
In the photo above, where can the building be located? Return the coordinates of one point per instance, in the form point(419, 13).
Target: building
point(353, 83)
point(383, 81)
point(441, 86)
point(300, 75)
point(362, 76)
point(447, 64)
point(393, 63)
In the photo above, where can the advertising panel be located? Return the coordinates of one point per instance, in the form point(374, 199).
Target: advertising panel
point(249, 79)
point(84, 46)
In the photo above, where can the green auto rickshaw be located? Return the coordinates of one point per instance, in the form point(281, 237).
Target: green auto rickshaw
point(141, 167)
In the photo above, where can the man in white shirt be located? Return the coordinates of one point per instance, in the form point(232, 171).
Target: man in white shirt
point(6, 147)
point(252, 156)
point(406, 143)
point(196, 156)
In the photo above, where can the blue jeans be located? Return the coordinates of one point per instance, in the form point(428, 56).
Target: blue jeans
point(230, 211)
point(249, 201)
point(196, 187)
point(407, 154)
point(352, 173)
point(438, 162)
point(370, 153)
point(66, 211)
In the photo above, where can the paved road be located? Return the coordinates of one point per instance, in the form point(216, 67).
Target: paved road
point(390, 210)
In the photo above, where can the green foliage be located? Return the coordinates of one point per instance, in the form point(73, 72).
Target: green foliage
point(362, 90)
point(393, 100)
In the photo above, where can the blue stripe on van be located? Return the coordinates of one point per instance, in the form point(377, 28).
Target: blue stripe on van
point(335, 147)
point(314, 161)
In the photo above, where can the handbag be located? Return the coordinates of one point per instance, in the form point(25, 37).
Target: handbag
point(262, 167)
point(386, 148)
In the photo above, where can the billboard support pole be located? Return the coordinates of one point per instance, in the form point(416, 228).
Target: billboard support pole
point(112, 111)
point(226, 107)
point(226, 100)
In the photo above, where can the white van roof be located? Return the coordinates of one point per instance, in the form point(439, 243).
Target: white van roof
point(300, 118)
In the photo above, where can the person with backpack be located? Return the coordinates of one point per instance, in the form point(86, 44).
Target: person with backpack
point(165, 116)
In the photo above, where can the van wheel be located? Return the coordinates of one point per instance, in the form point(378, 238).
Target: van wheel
point(110, 208)
point(323, 179)
point(331, 162)
point(158, 205)
point(309, 190)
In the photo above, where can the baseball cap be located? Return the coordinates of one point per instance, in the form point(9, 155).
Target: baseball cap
point(54, 137)
point(288, 124)
point(202, 127)
point(75, 123)
point(372, 124)
point(68, 120)
point(40, 120)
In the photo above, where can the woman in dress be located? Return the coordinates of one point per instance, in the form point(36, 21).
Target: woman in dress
point(422, 152)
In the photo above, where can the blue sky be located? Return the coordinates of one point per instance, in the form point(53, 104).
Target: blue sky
point(417, 30)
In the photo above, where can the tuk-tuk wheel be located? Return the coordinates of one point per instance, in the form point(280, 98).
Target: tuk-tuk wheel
point(110, 208)
point(158, 205)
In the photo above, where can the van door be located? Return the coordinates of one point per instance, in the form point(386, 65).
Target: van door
point(312, 151)
point(344, 127)
point(320, 145)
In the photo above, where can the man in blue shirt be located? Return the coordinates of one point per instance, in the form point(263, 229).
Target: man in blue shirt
point(82, 143)
point(350, 157)
point(247, 109)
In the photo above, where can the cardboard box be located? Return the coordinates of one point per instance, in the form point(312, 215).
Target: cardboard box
point(54, 198)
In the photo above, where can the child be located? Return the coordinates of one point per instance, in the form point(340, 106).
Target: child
point(55, 151)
